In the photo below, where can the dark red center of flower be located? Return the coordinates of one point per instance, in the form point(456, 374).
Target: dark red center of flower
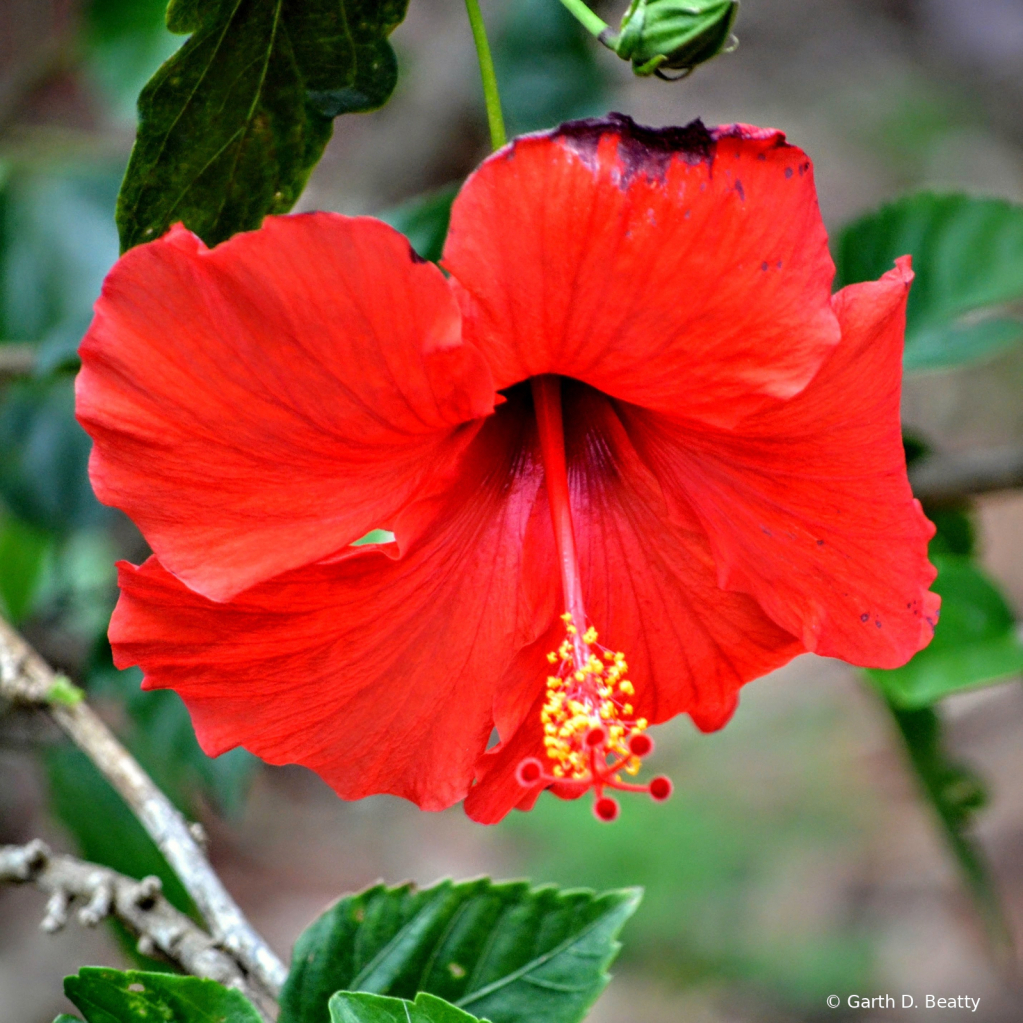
point(591, 733)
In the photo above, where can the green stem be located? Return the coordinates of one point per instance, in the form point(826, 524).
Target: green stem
point(495, 119)
point(586, 17)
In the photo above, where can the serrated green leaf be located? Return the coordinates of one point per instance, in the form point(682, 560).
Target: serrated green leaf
point(968, 259)
point(955, 794)
point(975, 641)
point(110, 996)
point(355, 1007)
point(506, 952)
point(424, 221)
point(232, 124)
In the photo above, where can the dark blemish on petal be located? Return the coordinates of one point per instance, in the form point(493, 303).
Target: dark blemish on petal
point(865, 618)
point(765, 266)
point(687, 214)
point(820, 543)
point(761, 156)
point(766, 531)
point(641, 150)
point(778, 265)
point(740, 190)
point(877, 622)
point(416, 258)
point(788, 172)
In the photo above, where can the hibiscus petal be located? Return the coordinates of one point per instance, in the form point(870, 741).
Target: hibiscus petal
point(681, 269)
point(807, 503)
point(377, 672)
point(259, 405)
point(650, 588)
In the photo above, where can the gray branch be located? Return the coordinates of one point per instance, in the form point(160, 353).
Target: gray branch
point(942, 479)
point(99, 893)
point(25, 678)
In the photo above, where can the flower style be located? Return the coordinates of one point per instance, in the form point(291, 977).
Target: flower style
point(632, 450)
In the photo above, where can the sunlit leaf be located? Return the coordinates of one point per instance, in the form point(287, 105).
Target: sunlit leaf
point(110, 996)
point(968, 259)
point(353, 1007)
point(504, 952)
point(232, 124)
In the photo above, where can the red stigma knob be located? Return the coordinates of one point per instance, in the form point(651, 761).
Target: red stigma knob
point(596, 736)
point(605, 809)
point(640, 745)
point(529, 772)
point(660, 788)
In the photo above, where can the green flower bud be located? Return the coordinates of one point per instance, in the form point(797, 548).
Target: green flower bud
point(675, 35)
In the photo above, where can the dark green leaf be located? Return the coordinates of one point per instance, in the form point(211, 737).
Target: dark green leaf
point(505, 952)
point(65, 1018)
point(968, 258)
point(110, 996)
point(352, 1007)
point(424, 221)
point(955, 794)
point(955, 532)
point(974, 644)
point(232, 124)
point(23, 550)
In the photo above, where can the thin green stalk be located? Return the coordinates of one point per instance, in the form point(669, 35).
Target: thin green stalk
point(495, 119)
point(586, 17)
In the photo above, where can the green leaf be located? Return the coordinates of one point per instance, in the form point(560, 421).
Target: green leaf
point(424, 221)
point(65, 1018)
point(23, 550)
point(968, 258)
point(232, 124)
point(955, 794)
point(352, 1007)
point(975, 641)
point(506, 952)
point(110, 996)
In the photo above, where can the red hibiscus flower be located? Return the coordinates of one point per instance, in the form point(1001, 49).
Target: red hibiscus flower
point(632, 450)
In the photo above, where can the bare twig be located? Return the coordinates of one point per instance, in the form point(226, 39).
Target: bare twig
point(943, 479)
point(99, 892)
point(16, 360)
point(26, 678)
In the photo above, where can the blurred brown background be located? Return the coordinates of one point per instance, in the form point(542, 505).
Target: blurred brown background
point(796, 859)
